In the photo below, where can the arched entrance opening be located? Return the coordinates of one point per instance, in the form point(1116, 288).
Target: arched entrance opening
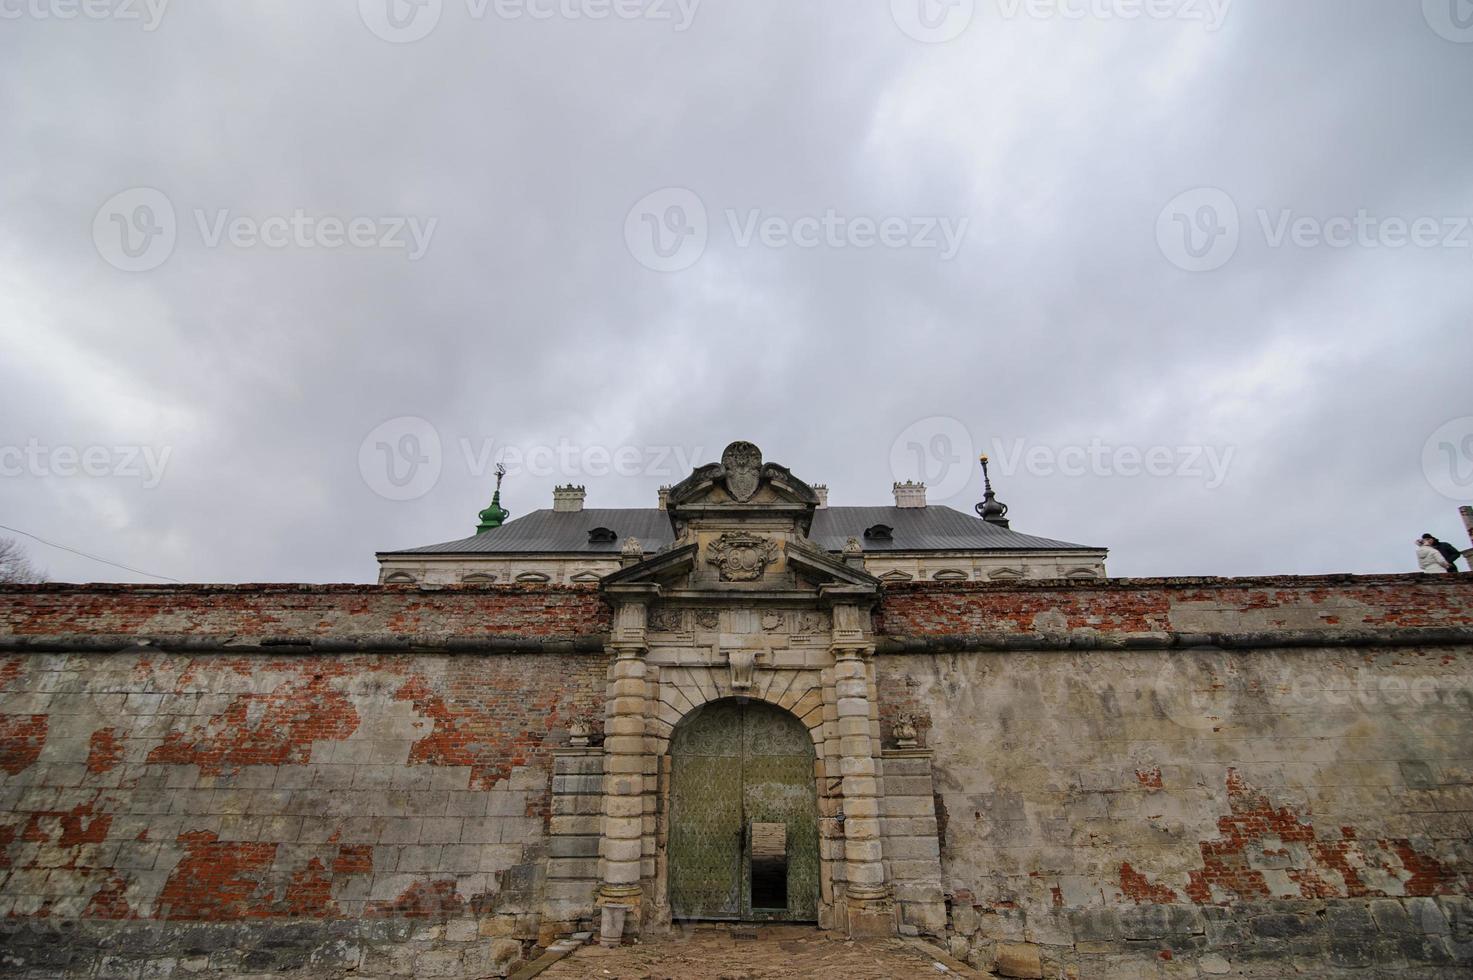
point(743, 838)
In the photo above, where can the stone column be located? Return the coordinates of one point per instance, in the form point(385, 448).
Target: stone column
point(620, 894)
point(870, 903)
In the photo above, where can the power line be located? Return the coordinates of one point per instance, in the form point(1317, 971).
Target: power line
point(83, 554)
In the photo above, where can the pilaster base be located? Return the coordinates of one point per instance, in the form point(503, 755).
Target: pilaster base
point(618, 904)
point(871, 911)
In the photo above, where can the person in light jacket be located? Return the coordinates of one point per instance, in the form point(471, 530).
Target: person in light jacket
point(1429, 558)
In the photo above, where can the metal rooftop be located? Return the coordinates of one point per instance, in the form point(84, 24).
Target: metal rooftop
point(930, 528)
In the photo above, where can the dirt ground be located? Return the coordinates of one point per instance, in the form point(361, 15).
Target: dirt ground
point(778, 952)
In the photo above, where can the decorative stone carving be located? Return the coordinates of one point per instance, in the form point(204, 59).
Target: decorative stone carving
point(580, 732)
point(708, 619)
point(742, 462)
point(812, 623)
point(905, 732)
point(742, 662)
point(853, 547)
point(741, 557)
point(849, 622)
point(630, 619)
point(773, 622)
point(667, 620)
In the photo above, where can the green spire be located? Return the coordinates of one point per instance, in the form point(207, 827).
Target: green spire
point(495, 515)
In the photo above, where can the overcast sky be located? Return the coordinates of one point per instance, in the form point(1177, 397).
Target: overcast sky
point(280, 281)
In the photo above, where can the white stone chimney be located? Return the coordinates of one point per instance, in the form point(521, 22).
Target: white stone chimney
point(910, 495)
point(665, 497)
point(823, 495)
point(568, 499)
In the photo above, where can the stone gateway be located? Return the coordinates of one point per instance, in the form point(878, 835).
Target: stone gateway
point(744, 706)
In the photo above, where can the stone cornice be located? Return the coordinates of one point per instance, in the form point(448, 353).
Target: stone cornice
point(1125, 642)
point(287, 645)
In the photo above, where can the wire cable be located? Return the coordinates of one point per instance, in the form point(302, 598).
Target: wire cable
point(83, 554)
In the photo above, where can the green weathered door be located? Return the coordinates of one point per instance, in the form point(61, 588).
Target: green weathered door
point(739, 772)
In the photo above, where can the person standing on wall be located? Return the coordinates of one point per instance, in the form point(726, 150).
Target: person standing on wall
point(1429, 558)
point(1449, 553)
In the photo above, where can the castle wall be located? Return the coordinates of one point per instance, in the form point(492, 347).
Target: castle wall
point(1127, 778)
point(1198, 782)
point(249, 794)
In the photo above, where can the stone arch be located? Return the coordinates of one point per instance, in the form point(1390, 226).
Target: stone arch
point(807, 856)
point(683, 690)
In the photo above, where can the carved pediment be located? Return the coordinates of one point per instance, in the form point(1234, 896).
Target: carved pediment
point(741, 527)
point(742, 484)
point(741, 557)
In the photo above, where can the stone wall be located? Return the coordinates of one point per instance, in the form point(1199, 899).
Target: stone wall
point(336, 617)
point(1122, 612)
point(259, 813)
point(1136, 779)
point(1128, 778)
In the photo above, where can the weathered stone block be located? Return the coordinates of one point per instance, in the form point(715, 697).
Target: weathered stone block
point(1017, 960)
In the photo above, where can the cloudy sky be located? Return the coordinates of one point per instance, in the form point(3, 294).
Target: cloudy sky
point(281, 281)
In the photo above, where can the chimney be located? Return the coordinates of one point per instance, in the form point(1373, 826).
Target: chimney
point(665, 497)
point(823, 494)
point(910, 495)
point(568, 499)
point(1467, 513)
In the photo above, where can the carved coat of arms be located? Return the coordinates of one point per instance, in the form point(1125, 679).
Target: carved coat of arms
point(742, 462)
point(741, 557)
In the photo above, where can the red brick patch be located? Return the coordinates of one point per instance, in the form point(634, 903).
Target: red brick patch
point(216, 880)
point(105, 751)
point(422, 900)
point(1141, 891)
point(354, 859)
point(22, 737)
point(290, 720)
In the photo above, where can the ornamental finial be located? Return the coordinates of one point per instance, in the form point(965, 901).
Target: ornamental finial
point(495, 515)
point(991, 510)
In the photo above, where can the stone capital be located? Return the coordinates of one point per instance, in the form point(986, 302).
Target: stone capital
point(627, 650)
point(852, 651)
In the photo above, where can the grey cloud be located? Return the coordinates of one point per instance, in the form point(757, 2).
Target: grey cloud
point(528, 322)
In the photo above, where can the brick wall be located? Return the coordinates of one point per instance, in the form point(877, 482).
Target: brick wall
point(1118, 607)
point(1128, 775)
point(261, 813)
point(1117, 813)
point(303, 611)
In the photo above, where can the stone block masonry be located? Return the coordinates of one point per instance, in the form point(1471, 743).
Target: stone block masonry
point(1255, 778)
point(1133, 778)
point(263, 813)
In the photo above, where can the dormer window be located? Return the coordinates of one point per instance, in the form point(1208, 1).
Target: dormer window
point(880, 532)
point(602, 535)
